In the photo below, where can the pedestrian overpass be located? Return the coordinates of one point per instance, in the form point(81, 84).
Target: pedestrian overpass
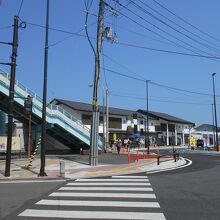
point(61, 125)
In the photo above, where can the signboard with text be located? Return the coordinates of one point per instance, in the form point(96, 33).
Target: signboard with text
point(16, 146)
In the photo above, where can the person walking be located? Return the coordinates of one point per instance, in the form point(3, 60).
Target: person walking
point(118, 145)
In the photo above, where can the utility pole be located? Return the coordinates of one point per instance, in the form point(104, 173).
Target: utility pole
point(28, 110)
point(216, 124)
point(103, 119)
point(44, 110)
point(95, 114)
point(107, 121)
point(11, 96)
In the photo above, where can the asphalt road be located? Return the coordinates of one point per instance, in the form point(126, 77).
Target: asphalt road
point(15, 196)
point(192, 192)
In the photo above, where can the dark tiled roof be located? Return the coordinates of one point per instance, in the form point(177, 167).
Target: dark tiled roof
point(165, 117)
point(205, 127)
point(79, 106)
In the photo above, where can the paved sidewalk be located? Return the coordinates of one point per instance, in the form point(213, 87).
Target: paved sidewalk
point(76, 166)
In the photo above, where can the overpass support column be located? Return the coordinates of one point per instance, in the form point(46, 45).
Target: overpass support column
point(183, 142)
point(189, 137)
point(167, 135)
point(176, 135)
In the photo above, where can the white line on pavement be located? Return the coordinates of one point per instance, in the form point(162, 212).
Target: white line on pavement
point(112, 180)
point(104, 195)
point(142, 189)
point(32, 181)
point(99, 203)
point(131, 177)
point(107, 184)
point(174, 168)
point(92, 214)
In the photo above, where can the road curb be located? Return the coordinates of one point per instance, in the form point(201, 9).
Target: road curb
point(188, 163)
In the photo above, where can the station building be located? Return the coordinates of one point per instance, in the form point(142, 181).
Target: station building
point(164, 129)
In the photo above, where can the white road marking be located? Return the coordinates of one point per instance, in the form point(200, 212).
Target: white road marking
point(92, 214)
point(104, 195)
point(99, 203)
point(112, 180)
point(32, 181)
point(142, 189)
point(107, 184)
point(174, 168)
point(130, 177)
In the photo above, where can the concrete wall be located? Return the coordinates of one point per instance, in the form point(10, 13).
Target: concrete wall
point(53, 145)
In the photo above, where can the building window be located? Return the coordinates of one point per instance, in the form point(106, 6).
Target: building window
point(142, 122)
point(87, 119)
point(115, 123)
point(171, 127)
point(157, 128)
point(152, 124)
point(124, 121)
point(163, 127)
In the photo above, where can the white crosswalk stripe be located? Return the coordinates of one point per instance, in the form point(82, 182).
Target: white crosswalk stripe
point(129, 179)
point(119, 197)
point(98, 203)
point(141, 189)
point(107, 184)
point(104, 195)
point(93, 215)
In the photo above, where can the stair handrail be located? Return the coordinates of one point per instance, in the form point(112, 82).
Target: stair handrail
point(51, 107)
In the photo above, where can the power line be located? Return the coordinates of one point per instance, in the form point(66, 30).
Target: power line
point(158, 84)
point(161, 97)
point(178, 25)
point(169, 51)
point(88, 4)
point(123, 66)
point(182, 19)
point(103, 63)
point(124, 75)
point(183, 90)
point(19, 10)
point(6, 27)
point(160, 29)
point(71, 35)
point(87, 33)
point(173, 28)
point(59, 30)
point(128, 44)
point(156, 100)
point(150, 30)
point(139, 34)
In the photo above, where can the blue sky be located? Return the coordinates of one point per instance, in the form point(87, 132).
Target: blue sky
point(71, 62)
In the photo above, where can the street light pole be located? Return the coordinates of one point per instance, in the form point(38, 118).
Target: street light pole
point(147, 99)
point(44, 110)
point(95, 115)
point(11, 96)
point(216, 124)
point(213, 126)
